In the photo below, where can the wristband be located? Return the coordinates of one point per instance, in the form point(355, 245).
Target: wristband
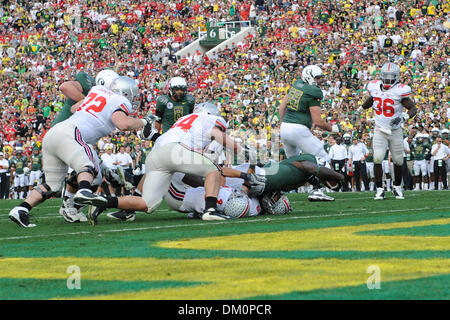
point(144, 122)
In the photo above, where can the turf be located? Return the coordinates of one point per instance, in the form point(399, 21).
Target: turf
point(318, 251)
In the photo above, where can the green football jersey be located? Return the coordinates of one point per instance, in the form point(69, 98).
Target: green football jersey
point(419, 151)
point(369, 155)
point(36, 162)
point(286, 177)
point(87, 82)
point(170, 110)
point(19, 163)
point(301, 97)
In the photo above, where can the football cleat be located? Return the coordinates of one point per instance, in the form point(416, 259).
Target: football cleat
point(70, 213)
point(380, 194)
point(124, 215)
point(212, 215)
point(93, 213)
point(194, 215)
point(318, 195)
point(85, 196)
point(20, 216)
point(398, 192)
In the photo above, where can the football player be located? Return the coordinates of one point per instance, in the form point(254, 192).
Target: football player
point(292, 173)
point(388, 97)
point(67, 143)
point(20, 163)
point(181, 150)
point(299, 111)
point(183, 197)
point(36, 168)
point(76, 90)
point(169, 108)
point(419, 151)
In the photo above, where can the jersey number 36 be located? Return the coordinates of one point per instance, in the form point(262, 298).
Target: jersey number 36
point(385, 107)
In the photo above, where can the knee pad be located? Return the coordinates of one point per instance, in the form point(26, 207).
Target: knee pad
point(89, 169)
point(45, 194)
point(72, 180)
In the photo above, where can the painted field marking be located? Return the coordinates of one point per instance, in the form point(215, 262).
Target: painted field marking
point(272, 218)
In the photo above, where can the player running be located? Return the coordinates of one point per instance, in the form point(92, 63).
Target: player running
point(388, 97)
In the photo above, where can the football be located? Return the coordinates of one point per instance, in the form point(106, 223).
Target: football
point(332, 185)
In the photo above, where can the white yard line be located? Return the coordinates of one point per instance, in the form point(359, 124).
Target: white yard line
point(272, 218)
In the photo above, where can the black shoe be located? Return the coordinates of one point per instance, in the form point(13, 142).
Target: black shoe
point(85, 196)
point(20, 216)
point(212, 215)
point(194, 215)
point(93, 213)
point(124, 215)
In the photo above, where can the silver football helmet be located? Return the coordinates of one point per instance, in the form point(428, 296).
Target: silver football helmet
point(237, 206)
point(282, 206)
point(390, 75)
point(105, 78)
point(207, 108)
point(126, 87)
point(310, 73)
point(272, 206)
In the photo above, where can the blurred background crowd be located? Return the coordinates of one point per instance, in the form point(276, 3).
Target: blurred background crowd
point(44, 43)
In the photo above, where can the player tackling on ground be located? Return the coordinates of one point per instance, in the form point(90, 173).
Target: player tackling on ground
point(388, 97)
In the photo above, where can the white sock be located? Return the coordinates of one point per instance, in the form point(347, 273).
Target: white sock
point(69, 194)
point(431, 185)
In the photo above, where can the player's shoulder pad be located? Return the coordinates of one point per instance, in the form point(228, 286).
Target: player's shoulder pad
point(125, 106)
point(219, 122)
point(164, 99)
point(374, 85)
point(190, 99)
point(403, 90)
point(313, 91)
point(86, 80)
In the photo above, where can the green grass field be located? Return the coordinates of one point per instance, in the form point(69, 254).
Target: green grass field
point(334, 250)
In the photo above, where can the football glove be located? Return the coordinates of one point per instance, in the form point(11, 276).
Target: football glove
point(149, 129)
point(405, 116)
point(396, 121)
point(257, 184)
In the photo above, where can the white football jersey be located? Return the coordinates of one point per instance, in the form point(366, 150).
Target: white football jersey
point(387, 103)
point(192, 131)
point(93, 117)
point(194, 199)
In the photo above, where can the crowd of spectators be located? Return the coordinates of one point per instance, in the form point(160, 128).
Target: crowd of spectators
point(43, 44)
